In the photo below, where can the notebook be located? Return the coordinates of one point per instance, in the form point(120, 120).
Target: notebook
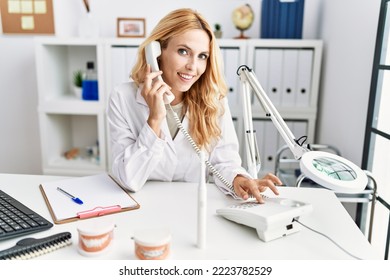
point(101, 195)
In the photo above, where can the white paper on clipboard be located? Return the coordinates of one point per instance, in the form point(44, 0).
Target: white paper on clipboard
point(96, 191)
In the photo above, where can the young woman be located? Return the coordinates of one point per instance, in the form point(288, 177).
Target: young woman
point(146, 143)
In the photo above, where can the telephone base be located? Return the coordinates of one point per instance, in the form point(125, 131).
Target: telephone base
point(272, 220)
point(275, 233)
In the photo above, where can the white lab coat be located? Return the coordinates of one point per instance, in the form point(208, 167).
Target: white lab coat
point(139, 155)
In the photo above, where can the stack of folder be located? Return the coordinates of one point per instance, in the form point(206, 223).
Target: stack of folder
point(282, 19)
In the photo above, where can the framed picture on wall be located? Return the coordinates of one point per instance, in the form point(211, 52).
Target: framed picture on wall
point(131, 27)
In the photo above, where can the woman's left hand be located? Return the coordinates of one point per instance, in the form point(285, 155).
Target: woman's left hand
point(244, 187)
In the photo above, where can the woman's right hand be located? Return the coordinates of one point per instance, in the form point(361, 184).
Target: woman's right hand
point(153, 92)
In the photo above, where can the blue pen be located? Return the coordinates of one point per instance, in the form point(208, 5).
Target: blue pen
point(75, 199)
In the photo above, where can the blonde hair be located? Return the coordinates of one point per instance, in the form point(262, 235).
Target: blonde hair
point(203, 99)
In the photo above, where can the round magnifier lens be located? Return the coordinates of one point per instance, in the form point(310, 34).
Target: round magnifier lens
point(334, 168)
point(333, 172)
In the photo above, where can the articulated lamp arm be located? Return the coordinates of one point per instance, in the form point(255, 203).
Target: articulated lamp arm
point(326, 169)
point(248, 82)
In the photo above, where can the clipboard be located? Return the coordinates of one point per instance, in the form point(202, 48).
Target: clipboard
point(101, 195)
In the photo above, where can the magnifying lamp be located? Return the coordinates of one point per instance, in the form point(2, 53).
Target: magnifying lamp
point(326, 169)
point(333, 172)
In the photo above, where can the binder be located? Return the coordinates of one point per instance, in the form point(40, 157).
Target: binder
point(305, 65)
point(299, 14)
point(259, 127)
point(274, 89)
point(299, 129)
point(281, 142)
point(282, 19)
point(269, 145)
point(293, 28)
point(265, 20)
point(118, 66)
point(101, 195)
point(231, 61)
point(261, 68)
point(123, 59)
point(289, 74)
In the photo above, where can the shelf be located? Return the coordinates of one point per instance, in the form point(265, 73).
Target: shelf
point(57, 63)
point(63, 166)
point(286, 113)
point(71, 105)
point(67, 121)
point(63, 132)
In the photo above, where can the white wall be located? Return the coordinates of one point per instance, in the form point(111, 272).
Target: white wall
point(19, 134)
point(348, 28)
point(349, 33)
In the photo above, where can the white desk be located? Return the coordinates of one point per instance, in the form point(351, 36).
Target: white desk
point(174, 205)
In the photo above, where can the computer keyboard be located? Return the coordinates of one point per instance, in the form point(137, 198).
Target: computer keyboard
point(16, 219)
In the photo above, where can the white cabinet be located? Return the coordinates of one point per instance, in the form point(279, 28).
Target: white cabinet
point(66, 121)
point(289, 71)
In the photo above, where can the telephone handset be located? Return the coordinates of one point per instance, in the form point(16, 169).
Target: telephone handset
point(152, 51)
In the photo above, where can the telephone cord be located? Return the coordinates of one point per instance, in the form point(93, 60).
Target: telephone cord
point(324, 235)
point(197, 150)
